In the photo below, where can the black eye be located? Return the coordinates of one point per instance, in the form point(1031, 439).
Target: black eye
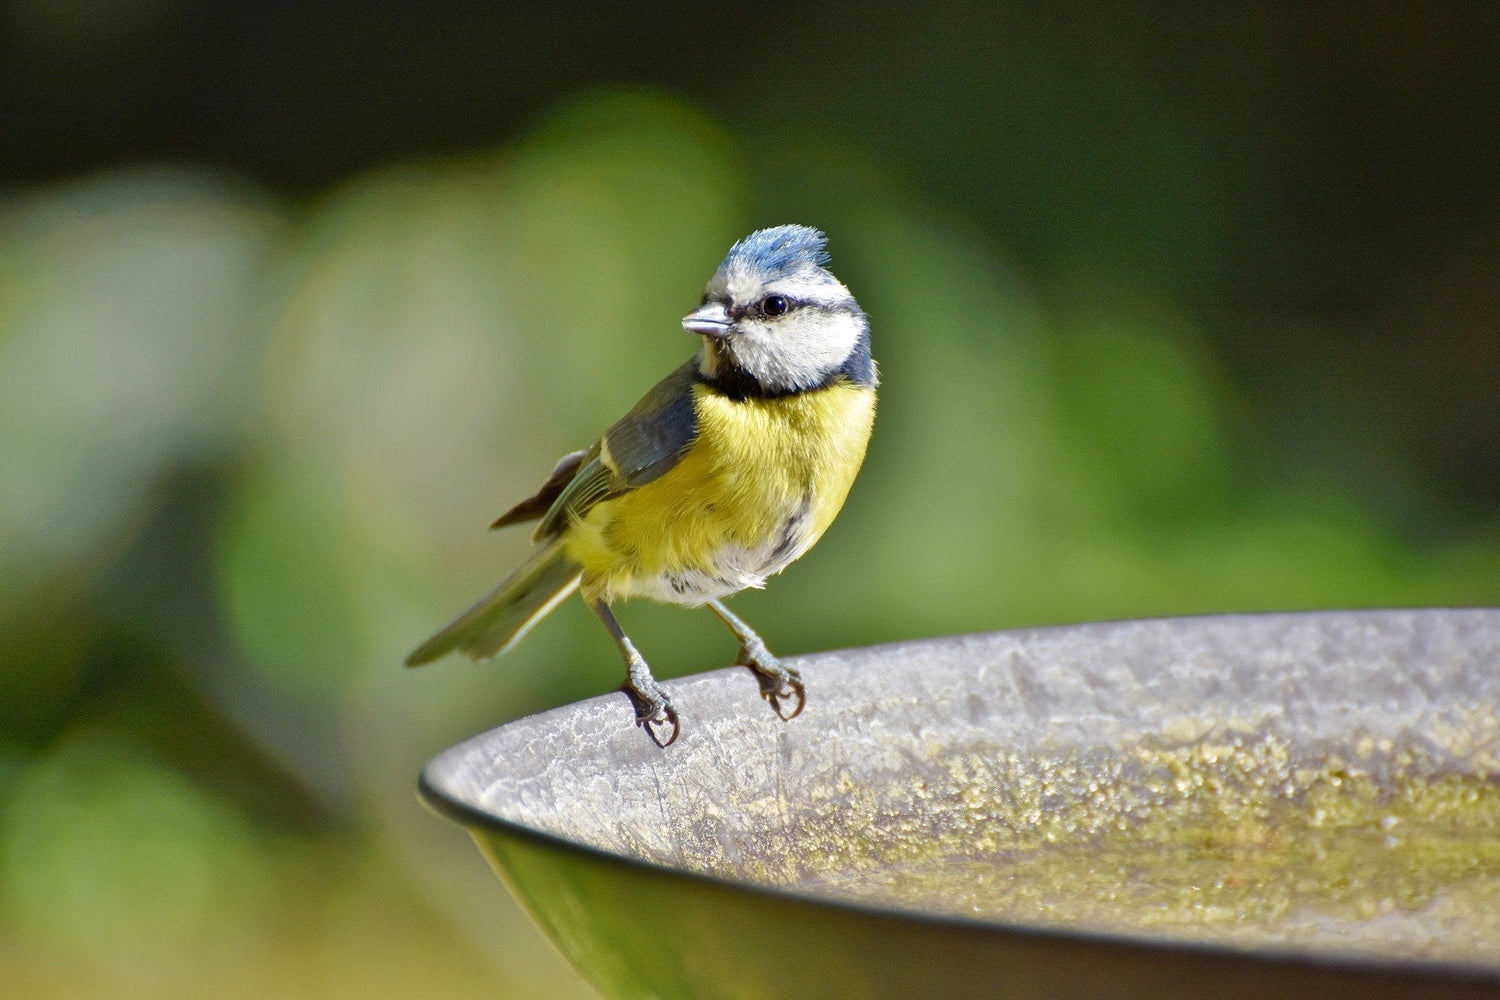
point(775, 305)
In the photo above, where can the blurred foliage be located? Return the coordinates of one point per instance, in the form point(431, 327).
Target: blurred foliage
point(253, 421)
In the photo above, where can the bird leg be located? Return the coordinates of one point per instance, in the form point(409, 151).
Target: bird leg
point(653, 708)
point(777, 680)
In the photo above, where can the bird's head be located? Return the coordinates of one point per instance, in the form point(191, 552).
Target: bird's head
point(775, 321)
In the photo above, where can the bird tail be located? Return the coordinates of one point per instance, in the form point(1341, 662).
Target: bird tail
point(500, 618)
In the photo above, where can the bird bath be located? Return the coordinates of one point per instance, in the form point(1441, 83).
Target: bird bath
point(1230, 806)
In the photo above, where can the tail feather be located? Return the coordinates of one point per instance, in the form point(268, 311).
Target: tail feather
point(499, 619)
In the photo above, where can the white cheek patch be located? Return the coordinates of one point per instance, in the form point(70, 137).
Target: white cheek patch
point(798, 350)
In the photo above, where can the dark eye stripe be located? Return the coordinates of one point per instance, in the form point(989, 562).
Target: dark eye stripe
point(758, 307)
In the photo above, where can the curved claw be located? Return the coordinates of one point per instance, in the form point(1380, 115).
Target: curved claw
point(778, 682)
point(653, 713)
point(789, 687)
point(667, 716)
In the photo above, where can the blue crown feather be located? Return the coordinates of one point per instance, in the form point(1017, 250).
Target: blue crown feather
point(778, 252)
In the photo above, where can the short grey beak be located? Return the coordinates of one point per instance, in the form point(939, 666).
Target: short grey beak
point(710, 319)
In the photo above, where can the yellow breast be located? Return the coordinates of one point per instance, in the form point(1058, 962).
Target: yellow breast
point(761, 483)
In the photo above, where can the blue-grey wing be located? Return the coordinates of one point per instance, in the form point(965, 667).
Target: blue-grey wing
point(534, 507)
point(639, 448)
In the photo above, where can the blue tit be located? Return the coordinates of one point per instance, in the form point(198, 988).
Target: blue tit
point(726, 472)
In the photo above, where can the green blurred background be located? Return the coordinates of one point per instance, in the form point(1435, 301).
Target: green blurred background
point(1179, 309)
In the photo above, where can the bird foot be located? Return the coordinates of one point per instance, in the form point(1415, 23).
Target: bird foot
point(653, 710)
point(778, 682)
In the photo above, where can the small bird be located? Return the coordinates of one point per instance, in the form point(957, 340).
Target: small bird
point(721, 476)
